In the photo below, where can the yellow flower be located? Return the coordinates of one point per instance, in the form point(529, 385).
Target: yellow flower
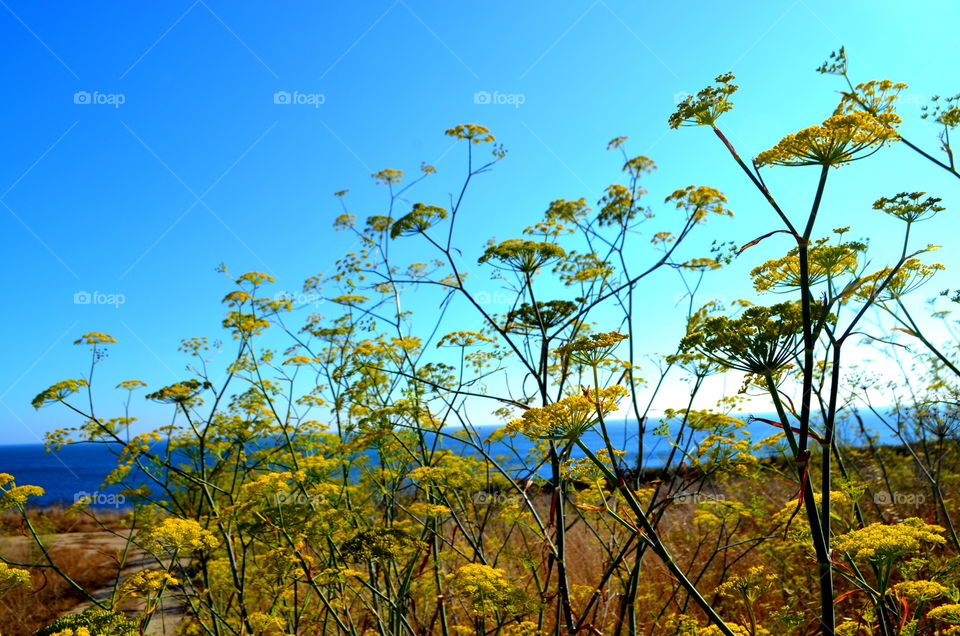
point(570, 417)
point(838, 140)
point(175, 535)
point(908, 207)
point(474, 133)
point(921, 591)
point(523, 255)
point(946, 614)
point(882, 542)
point(58, 392)
point(388, 176)
point(130, 385)
point(95, 338)
point(12, 577)
point(704, 108)
point(699, 201)
point(487, 589)
point(591, 350)
point(418, 220)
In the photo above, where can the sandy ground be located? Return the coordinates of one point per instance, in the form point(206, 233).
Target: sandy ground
point(170, 615)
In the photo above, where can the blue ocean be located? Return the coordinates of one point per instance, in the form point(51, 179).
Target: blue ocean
point(78, 470)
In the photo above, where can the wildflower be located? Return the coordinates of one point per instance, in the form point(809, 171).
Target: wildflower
point(463, 339)
point(639, 165)
point(299, 360)
point(176, 535)
point(749, 586)
point(617, 205)
point(16, 496)
point(824, 263)
point(472, 132)
point(387, 544)
point(147, 582)
point(946, 112)
point(255, 278)
point(418, 220)
point(616, 143)
point(487, 589)
point(58, 392)
point(921, 591)
point(570, 417)
point(699, 201)
point(946, 614)
point(523, 255)
point(180, 393)
point(704, 108)
point(591, 350)
point(840, 139)
point(95, 338)
point(130, 385)
point(12, 577)
point(762, 340)
point(880, 542)
point(387, 176)
point(908, 207)
point(911, 275)
point(567, 211)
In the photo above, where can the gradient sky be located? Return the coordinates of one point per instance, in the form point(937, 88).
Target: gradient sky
point(180, 158)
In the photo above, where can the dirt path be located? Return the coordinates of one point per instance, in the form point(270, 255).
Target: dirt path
point(102, 545)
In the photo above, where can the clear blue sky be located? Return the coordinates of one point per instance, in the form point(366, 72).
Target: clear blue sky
point(199, 165)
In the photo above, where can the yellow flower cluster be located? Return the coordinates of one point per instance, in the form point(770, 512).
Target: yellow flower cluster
point(946, 112)
point(58, 392)
point(946, 614)
point(176, 535)
point(750, 586)
point(130, 385)
point(825, 262)
point(591, 350)
point(473, 132)
point(180, 393)
point(523, 255)
point(147, 583)
point(388, 176)
point(921, 591)
point(704, 108)
point(908, 207)
point(699, 201)
point(567, 211)
point(838, 140)
point(95, 338)
point(486, 588)
point(911, 275)
point(418, 220)
point(463, 339)
point(15, 496)
point(12, 577)
point(882, 542)
point(570, 417)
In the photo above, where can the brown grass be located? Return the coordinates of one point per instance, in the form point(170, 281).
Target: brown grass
point(88, 559)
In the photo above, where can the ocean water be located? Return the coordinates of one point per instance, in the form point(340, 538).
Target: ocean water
point(78, 470)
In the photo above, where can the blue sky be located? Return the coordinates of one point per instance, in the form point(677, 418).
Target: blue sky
point(143, 145)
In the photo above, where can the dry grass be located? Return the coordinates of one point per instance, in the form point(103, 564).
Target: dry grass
point(80, 548)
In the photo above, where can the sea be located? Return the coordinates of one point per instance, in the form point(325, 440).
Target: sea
point(77, 471)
